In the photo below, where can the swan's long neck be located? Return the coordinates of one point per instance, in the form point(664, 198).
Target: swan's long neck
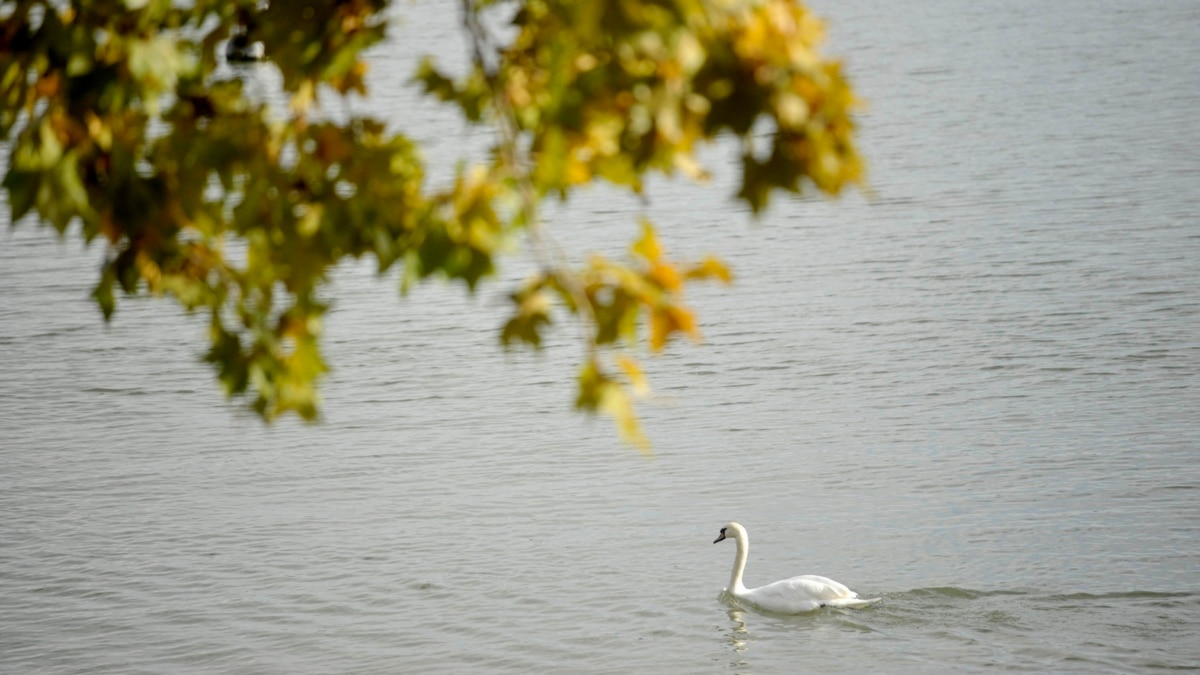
point(739, 563)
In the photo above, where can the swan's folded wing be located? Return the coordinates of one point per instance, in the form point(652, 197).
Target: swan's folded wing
point(853, 603)
point(782, 597)
point(820, 588)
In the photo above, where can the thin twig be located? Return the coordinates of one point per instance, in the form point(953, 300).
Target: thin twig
point(546, 250)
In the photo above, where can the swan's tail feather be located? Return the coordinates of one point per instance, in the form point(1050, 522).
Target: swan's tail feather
point(853, 603)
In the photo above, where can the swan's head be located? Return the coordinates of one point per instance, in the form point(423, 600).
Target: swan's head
point(730, 530)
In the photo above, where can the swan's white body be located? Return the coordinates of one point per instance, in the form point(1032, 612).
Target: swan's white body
point(788, 596)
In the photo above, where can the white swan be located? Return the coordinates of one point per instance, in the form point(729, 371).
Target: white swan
point(788, 596)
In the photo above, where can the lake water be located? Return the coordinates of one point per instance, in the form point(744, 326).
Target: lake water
point(974, 394)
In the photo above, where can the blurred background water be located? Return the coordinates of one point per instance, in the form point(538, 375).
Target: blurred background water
point(973, 393)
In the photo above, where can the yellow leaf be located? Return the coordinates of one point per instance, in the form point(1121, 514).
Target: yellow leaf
point(648, 247)
point(660, 330)
point(637, 379)
point(99, 131)
point(686, 162)
point(690, 52)
point(791, 110)
point(615, 403)
point(310, 221)
point(305, 94)
point(711, 268)
point(685, 322)
point(666, 276)
point(149, 271)
point(672, 319)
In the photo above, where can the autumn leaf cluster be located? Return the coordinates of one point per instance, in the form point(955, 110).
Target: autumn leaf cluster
point(121, 128)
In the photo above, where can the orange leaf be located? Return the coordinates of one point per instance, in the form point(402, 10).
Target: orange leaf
point(666, 276)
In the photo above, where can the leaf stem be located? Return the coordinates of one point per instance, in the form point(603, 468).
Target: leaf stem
point(549, 254)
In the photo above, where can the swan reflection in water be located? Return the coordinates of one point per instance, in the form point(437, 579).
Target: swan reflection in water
point(739, 638)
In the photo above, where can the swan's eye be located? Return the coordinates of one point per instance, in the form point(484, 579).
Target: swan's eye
point(723, 530)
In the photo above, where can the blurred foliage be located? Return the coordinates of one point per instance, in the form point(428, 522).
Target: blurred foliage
point(119, 120)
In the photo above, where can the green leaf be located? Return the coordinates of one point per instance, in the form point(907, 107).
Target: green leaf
point(103, 294)
point(23, 188)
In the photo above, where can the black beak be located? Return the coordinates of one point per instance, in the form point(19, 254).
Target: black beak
point(721, 537)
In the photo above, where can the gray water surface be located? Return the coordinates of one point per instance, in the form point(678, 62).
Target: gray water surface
point(973, 393)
